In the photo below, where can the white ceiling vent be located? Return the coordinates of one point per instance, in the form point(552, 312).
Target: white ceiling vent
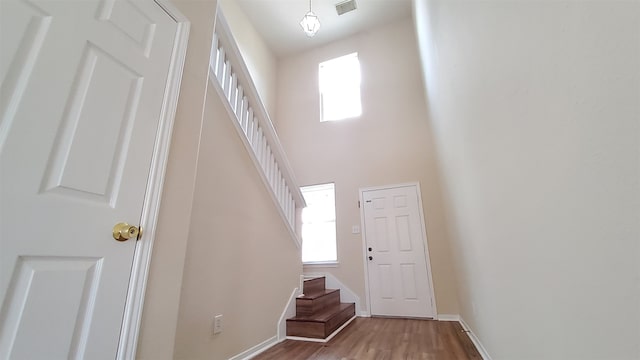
point(346, 6)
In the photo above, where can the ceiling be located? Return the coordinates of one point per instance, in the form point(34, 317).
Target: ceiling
point(278, 20)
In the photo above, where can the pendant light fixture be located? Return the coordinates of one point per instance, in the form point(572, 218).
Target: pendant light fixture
point(310, 23)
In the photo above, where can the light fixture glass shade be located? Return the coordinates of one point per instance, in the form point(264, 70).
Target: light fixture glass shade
point(310, 24)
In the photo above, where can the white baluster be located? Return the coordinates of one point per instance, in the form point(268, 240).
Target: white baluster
point(285, 203)
point(213, 61)
point(256, 140)
point(220, 65)
point(289, 199)
point(285, 197)
point(272, 166)
point(274, 174)
point(272, 169)
point(292, 212)
point(279, 185)
point(237, 102)
point(261, 148)
point(267, 158)
point(250, 128)
point(282, 202)
point(233, 89)
point(281, 193)
point(265, 154)
point(245, 123)
point(227, 78)
point(245, 110)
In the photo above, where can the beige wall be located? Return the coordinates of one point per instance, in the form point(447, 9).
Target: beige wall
point(536, 110)
point(241, 261)
point(258, 57)
point(389, 144)
point(159, 318)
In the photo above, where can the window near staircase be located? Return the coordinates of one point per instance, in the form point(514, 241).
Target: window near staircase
point(339, 80)
point(319, 224)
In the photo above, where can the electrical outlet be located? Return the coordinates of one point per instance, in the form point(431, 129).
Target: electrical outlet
point(217, 324)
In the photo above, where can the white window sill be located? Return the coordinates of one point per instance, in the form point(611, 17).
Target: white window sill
point(321, 264)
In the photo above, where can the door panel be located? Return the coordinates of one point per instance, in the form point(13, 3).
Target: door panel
point(397, 271)
point(21, 36)
point(127, 17)
point(83, 85)
point(76, 282)
point(88, 118)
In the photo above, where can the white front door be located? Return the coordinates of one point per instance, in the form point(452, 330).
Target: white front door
point(81, 96)
point(396, 256)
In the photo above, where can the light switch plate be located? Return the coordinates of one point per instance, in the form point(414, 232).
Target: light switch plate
point(217, 324)
point(355, 229)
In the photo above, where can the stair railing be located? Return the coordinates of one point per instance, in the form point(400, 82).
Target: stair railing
point(230, 76)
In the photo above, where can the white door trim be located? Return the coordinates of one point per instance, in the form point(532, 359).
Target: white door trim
point(148, 221)
point(424, 235)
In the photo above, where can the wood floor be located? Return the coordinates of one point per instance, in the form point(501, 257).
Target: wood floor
point(378, 339)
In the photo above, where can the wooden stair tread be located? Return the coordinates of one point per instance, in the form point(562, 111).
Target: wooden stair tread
point(316, 294)
point(325, 314)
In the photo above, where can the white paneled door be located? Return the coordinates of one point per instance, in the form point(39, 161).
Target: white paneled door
point(83, 84)
point(395, 250)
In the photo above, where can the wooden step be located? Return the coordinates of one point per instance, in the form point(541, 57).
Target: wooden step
point(314, 302)
point(321, 324)
point(314, 285)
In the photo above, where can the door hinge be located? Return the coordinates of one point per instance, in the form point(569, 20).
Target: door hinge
point(358, 204)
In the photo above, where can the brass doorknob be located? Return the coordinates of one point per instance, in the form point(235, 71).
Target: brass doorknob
point(124, 231)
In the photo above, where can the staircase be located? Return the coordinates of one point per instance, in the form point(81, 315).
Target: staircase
point(319, 311)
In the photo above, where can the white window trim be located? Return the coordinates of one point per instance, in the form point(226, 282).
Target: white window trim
point(322, 264)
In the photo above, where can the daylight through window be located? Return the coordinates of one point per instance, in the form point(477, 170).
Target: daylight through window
point(340, 88)
point(319, 224)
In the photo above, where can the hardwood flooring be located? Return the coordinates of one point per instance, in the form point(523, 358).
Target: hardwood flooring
point(383, 339)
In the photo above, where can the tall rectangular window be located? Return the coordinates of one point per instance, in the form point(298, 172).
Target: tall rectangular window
point(319, 224)
point(339, 81)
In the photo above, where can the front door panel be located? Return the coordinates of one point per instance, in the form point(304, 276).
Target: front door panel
point(396, 259)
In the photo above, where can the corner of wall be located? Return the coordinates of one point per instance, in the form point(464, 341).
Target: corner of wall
point(160, 313)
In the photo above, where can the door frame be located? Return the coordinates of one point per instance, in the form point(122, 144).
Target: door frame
point(151, 207)
point(424, 237)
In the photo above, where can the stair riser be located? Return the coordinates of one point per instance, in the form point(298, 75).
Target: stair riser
point(336, 322)
point(306, 329)
point(313, 285)
point(307, 307)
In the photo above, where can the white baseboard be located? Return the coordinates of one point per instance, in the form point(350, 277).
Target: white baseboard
point(483, 352)
point(288, 312)
point(448, 317)
point(248, 354)
point(364, 314)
